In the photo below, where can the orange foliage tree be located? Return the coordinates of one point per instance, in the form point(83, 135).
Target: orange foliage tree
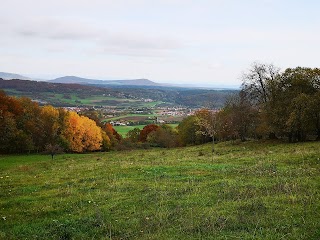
point(146, 131)
point(112, 134)
point(81, 133)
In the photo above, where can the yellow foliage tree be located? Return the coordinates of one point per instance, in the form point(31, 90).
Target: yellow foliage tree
point(82, 133)
point(49, 124)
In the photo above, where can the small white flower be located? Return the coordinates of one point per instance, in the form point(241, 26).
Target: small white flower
point(4, 218)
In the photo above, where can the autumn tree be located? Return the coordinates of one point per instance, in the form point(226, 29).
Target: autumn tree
point(82, 133)
point(106, 142)
point(9, 108)
point(30, 124)
point(93, 115)
point(49, 125)
point(189, 132)
point(112, 134)
point(164, 136)
point(207, 122)
point(146, 131)
point(287, 102)
point(240, 116)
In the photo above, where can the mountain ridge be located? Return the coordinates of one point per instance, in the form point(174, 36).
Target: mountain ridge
point(9, 76)
point(80, 80)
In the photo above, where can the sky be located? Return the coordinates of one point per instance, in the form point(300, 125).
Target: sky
point(203, 42)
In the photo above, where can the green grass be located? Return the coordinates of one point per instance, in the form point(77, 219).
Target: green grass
point(252, 190)
point(123, 130)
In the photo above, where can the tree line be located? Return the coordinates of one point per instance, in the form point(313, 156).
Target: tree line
point(272, 104)
point(27, 127)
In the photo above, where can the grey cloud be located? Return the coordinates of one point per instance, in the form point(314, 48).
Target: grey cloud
point(55, 29)
point(135, 40)
point(126, 42)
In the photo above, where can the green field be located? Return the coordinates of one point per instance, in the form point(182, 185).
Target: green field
point(84, 100)
point(123, 130)
point(251, 190)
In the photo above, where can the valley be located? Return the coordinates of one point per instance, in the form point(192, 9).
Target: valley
point(126, 104)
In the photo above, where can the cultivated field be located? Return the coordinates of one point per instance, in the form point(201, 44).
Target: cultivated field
point(252, 190)
point(123, 130)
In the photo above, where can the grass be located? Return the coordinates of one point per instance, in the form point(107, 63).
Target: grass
point(251, 190)
point(123, 130)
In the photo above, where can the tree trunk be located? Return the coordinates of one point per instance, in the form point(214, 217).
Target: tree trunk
point(272, 136)
point(318, 134)
point(212, 147)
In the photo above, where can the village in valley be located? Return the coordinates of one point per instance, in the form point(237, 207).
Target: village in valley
point(138, 116)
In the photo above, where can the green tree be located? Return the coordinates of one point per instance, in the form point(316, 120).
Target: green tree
point(298, 122)
point(189, 132)
point(133, 135)
point(164, 136)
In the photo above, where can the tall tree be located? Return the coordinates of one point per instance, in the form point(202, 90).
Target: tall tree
point(82, 133)
point(256, 81)
point(238, 117)
point(146, 131)
point(189, 132)
point(50, 127)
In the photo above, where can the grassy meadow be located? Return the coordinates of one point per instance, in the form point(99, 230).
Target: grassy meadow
point(251, 190)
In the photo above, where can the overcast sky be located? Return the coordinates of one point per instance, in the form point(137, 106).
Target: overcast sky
point(176, 41)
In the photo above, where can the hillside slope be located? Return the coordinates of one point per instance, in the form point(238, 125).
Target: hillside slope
point(252, 190)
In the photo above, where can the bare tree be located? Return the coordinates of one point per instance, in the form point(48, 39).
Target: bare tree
point(257, 80)
point(207, 121)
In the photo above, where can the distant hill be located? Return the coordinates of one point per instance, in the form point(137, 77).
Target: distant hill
point(8, 76)
point(45, 91)
point(79, 80)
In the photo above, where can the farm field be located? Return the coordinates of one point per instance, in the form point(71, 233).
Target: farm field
point(123, 130)
point(60, 99)
point(251, 190)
